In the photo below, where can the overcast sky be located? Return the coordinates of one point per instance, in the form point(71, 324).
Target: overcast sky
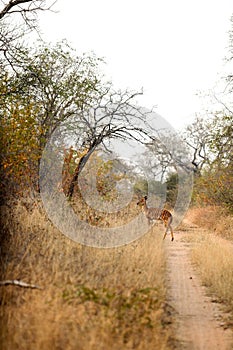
point(172, 49)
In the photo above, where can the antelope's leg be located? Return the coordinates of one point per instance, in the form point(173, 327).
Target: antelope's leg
point(166, 225)
point(172, 233)
point(170, 226)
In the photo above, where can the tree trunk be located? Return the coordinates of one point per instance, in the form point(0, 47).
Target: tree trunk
point(78, 169)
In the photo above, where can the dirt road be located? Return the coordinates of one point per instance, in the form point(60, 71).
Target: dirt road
point(198, 321)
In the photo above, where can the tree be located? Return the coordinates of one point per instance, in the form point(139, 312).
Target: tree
point(198, 136)
point(26, 8)
point(60, 83)
point(112, 116)
point(25, 12)
point(172, 183)
point(221, 142)
point(222, 124)
point(19, 150)
point(165, 153)
point(210, 140)
point(51, 85)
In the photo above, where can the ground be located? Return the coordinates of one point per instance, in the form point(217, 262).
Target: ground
point(198, 319)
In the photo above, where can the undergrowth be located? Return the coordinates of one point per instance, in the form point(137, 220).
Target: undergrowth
point(90, 298)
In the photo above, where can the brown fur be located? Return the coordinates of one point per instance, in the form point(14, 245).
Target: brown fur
point(157, 214)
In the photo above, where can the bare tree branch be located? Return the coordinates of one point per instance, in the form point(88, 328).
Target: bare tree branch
point(20, 284)
point(10, 5)
point(113, 116)
point(13, 6)
point(12, 32)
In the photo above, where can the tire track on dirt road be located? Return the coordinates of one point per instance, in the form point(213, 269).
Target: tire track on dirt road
point(198, 322)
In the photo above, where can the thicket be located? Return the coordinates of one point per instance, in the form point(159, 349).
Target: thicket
point(213, 184)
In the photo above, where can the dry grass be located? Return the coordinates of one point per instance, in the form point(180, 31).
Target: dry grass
point(213, 218)
point(91, 298)
point(212, 254)
point(104, 219)
point(214, 259)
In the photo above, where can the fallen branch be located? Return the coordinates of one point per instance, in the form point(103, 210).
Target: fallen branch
point(20, 284)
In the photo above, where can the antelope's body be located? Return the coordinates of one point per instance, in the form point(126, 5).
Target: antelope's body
point(157, 214)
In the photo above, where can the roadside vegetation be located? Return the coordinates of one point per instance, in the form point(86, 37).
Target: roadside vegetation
point(212, 253)
point(111, 297)
point(211, 138)
point(81, 297)
point(214, 259)
point(216, 219)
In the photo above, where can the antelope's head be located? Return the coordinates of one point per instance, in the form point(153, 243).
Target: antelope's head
point(142, 201)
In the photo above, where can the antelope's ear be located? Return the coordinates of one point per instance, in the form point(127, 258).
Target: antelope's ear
point(145, 197)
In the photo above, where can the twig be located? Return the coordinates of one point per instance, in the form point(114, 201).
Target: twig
point(20, 284)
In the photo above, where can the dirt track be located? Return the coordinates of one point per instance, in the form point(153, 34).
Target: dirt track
point(198, 321)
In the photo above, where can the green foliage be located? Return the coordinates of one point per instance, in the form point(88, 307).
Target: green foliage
point(214, 187)
point(221, 143)
point(214, 184)
point(49, 85)
point(142, 187)
point(136, 306)
point(212, 147)
point(58, 82)
point(172, 188)
point(19, 141)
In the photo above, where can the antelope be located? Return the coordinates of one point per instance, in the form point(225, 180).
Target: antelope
point(157, 214)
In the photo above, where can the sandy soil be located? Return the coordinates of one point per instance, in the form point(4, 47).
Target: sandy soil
point(199, 323)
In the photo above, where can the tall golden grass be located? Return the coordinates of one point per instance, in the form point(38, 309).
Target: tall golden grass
point(91, 298)
point(214, 218)
point(212, 254)
point(214, 259)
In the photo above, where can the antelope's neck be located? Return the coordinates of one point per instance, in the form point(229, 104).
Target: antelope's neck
point(145, 208)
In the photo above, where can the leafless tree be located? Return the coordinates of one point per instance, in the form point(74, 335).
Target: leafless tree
point(113, 115)
point(165, 153)
point(197, 136)
point(210, 140)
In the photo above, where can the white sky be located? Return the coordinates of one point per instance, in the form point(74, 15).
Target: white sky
point(171, 48)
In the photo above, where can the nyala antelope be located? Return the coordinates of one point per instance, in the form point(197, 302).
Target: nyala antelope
point(157, 214)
